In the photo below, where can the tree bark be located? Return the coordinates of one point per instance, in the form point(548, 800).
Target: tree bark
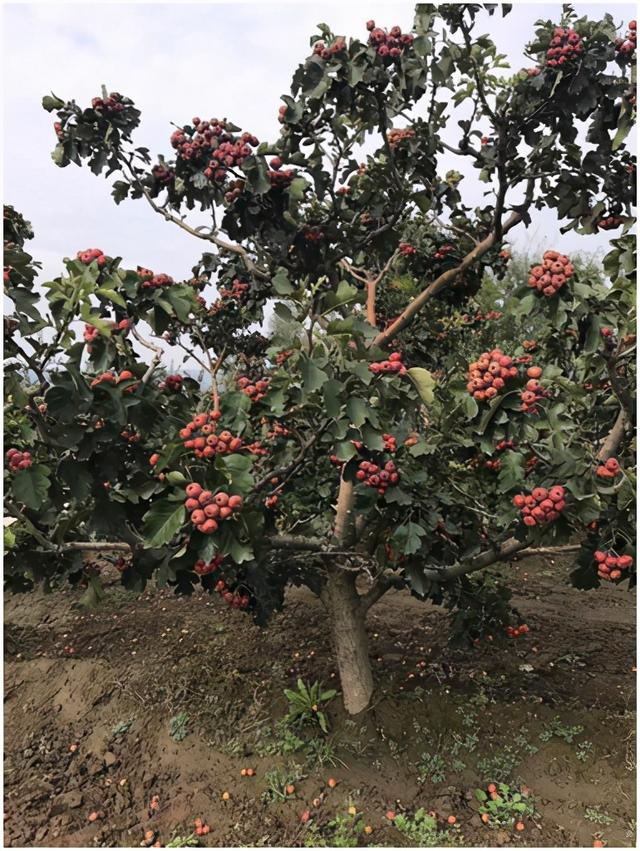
point(350, 642)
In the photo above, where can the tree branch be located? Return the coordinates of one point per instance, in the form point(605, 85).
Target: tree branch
point(209, 236)
point(441, 282)
point(382, 584)
point(612, 440)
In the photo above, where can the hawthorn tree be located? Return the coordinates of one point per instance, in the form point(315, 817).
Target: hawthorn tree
point(377, 436)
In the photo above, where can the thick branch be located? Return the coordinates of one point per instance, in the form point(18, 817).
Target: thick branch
point(383, 583)
point(612, 440)
point(344, 525)
point(441, 282)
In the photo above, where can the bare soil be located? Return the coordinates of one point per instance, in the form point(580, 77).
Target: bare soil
point(90, 696)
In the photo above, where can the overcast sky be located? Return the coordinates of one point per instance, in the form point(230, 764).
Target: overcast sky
point(177, 60)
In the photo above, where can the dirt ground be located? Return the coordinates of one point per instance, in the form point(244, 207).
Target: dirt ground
point(157, 695)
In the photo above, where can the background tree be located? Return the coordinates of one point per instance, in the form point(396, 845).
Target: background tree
point(375, 437)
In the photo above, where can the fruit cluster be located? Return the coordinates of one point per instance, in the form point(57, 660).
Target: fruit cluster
point(162, 174)
point(152, 282)
point(488, 375)
point(211, 142)
point(482, 317)
point(551, 274)
point(173, 382)
point(237, 290)
point(503, 445)
point(256, 448)
point(18, 460)
point(326, 52)
point(207, 510)
point(443, 251)
point(236, 601)
point(515, 631)
point(90, 255)
point(541, 506)
point(378, 477)
point(610, 222)
point(108, 106)
point(256, 391)
point(565, 45)
point(533, 392)
point(609, 470)
point(90, 333)
point(392, 364)
point(130, 436)
point(495, 464)
point(283, 356)
point(278, 430)
point(390, 43)
point(111, 378)
point(390, 443)
point(199, 435)
point(529, 345)
point(610, 566)
point(203, 568)
point(407, 250)
point(398, 135)
point(627, 45)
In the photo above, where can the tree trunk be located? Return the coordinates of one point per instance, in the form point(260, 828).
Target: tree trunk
point(351, 644)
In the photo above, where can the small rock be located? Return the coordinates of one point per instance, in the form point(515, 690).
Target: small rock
point(110, 759)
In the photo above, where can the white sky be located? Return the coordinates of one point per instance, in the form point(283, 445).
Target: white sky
point(176, 60)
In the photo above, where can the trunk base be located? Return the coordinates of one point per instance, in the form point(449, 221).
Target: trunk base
point(350, 641)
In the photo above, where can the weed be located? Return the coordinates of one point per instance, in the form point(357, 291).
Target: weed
point(343, 831)
point(306, 705)
point(422, 829)
point(121, 728)
point(504, 804)
point(597, 816)
point(190, 841)
point(584, 750)
point(322, 752)
point(431, 767)
point(277, 780)
point(556, 729)
point(178, 727)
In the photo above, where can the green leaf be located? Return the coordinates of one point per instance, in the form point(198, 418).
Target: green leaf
point(162, 521)
point(281, 283)
point(51, 102)
point(332, 390)
point(357, 410)
point(312, 376)
point(31, 486)
point(424, 383)
point(111, 295)
point(407, 539)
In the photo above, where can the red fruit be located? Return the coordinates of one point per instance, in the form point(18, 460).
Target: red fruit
point(205, 497)
point(209, 526)
point(191, 504)
point(534, 372)
point(193, 490)
point(625, 561)
point(529, 521)
point(235, 502)
point(612, 465)
point(225, 512)
point(221, 499)
point(519, 500)
point(198, 517)
point(599, 556)
point(211, 510)
point(557, 493)
point(154, 459)
point(539, 494)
